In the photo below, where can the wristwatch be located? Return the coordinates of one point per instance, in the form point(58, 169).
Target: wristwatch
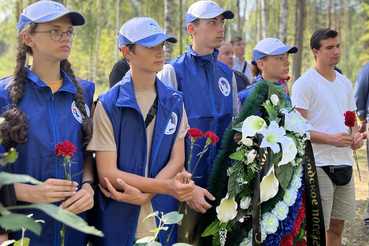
point(90, 182)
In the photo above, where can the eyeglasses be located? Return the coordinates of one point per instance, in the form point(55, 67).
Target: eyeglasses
point(57, 34)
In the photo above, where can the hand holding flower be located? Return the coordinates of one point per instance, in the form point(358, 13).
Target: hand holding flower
point(341, 139)
point(82, 201)
point(179, 190)
point(52, 190)
point(357, 143)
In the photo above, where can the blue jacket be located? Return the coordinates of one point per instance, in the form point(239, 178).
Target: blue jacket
point(362, 92)
point(207, 89)
point(53, 118)
point(118, 220)
point(242, 95)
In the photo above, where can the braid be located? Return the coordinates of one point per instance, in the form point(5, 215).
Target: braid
point(80, 102)
point(15, 126)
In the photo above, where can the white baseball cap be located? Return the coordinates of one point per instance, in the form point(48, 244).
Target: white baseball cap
point(271, 46)
point(143, 31)
point(206, 10)
point(45, 11)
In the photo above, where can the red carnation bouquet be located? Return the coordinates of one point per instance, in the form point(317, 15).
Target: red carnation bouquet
point(195, 134)
point(66, 149)
point(350, 119)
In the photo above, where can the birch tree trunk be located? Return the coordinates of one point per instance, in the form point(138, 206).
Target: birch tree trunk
point(328, 13)
point(97, 42)
point(117, 27)
point(284, 20)
point(264, 10)
point(168, 27)
point(299, 35)
point(238, 19)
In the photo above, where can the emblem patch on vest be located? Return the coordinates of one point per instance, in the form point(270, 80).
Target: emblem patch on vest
point(172, 124)
point(224, 86)
point(75, 111)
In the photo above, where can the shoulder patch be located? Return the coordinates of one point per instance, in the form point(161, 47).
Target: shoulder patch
point(224, 86)
point(172, 124)
point(75, 111)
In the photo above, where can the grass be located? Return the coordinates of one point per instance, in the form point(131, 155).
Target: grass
point(354, 233)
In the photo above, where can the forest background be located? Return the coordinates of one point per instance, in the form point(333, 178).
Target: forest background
point(95, 49)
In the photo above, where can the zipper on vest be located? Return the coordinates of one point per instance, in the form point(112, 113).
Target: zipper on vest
point(214, 109)
point(162, 135)
point(57, 170)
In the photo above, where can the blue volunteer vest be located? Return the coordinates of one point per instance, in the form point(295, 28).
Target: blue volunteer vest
point(53, 118)
point(118, 220)
point(207, 89)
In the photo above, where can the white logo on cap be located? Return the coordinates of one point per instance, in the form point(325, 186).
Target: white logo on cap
point(77, 115)
point(172, 124)
point(214, 6)
point(57, 8)
point(279, 42)
point(154, 28)
point(224, 86)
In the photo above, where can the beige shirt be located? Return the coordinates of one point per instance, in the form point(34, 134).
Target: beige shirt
point(103, 140)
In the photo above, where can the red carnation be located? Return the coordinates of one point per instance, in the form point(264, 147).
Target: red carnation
point(195, 133)
point(213, 137)
point(364, 136)
point(350, 119)
point(65, 149)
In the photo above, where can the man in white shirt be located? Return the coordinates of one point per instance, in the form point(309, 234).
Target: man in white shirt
point(322, 96)
point(240, 64)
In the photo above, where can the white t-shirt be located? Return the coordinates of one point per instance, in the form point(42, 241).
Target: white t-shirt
point(325, 102)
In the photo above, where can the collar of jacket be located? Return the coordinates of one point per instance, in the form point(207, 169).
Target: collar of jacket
point(67, 86)
point(205, 60)
point(127, 98)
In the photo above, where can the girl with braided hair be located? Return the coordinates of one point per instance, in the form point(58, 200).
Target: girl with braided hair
point(43, 105)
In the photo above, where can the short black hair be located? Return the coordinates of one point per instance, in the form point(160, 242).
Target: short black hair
point(235, 39)
point(321, 34)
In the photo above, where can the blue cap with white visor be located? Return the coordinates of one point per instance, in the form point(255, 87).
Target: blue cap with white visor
point(271, 46)
point(143, 31)
point(45, 11)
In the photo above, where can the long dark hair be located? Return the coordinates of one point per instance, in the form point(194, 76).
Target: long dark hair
point(14, 129)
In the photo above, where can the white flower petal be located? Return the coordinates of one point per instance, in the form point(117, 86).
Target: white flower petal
point(275, 99)
point(268, 186)
point(289, 150)
point(227, 210)
point(252, 125)
point(248, 142)
point(251, 156)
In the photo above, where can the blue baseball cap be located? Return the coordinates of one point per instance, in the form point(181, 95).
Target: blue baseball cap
point(206, 10)
point(143, 31)
point(271, 46)
point(45, 11)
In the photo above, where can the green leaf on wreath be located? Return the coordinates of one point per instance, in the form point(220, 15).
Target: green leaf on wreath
point(212, 229)
point(172, 218)
point(232, 185)
point(238, 127)
point(284, 174)
point(25, 242)
point(216, 240)
point(272, 90)
point(16, 222)
point(239, 155)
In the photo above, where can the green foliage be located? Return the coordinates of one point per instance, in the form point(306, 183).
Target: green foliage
point(9, 178)
point(284, 174)
point(16, 222)
point(24, 243)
